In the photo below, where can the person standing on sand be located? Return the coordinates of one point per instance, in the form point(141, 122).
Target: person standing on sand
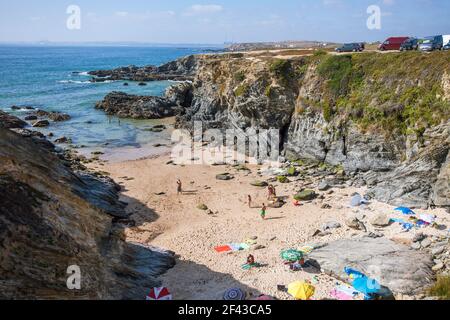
point(249, 197)
point(270, 192)
point(263, 211)
point(179, 187)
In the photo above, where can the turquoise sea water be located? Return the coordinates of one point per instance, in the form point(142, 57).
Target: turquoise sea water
point(45, 78)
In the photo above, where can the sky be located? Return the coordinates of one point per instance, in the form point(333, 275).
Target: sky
point(219, 21)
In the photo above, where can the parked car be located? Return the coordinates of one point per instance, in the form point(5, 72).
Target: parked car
point(392, 43)
point(410, 44)
point(350, 47)
point(446, 47)
point(431, 43)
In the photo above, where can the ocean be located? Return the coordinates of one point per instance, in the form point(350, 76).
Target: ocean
point(55, 79)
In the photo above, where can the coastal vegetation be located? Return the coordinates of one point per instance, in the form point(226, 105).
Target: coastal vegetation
point(397, 93)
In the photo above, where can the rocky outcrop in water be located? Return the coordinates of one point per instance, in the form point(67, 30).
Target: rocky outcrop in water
point(9, 121)
point(53, 217)
point(179, 70)
point(137, 107)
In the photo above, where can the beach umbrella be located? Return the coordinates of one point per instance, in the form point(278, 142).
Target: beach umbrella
point(366, 285)
point(161, 293)
point(291, 255)
point(234, 294)
point(301, 290)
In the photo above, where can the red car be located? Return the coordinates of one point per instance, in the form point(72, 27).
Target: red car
point(392, 43)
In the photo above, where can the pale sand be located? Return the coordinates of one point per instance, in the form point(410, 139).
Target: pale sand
point(174, 223)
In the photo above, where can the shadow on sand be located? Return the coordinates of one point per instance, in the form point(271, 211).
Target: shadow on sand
point(209, 284)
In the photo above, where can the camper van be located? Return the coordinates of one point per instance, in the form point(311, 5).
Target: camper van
point(392, 43)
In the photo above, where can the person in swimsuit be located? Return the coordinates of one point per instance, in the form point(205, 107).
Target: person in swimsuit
point(270, 192)
point(263, 212)
point(179, 187)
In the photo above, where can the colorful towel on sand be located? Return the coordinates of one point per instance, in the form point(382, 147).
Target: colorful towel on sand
point(223, 249)
point(340, 295)
point(250, 266)
point(232, 247)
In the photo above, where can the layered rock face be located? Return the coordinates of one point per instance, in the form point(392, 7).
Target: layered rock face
point(52, 217)
point(370, 113)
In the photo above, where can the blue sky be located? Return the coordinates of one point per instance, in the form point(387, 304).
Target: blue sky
point(216, 21)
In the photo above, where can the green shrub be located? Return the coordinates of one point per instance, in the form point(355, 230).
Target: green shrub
point(337, 71)
point(241, 90)
point(282, 69)
point(239, 76)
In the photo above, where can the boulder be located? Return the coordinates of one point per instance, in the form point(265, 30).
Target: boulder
point(202, 206)
point(323, 186)
point(58, 116)
point(30, 118)
point(380, 220)
point(354, 223)
point(41, 123)
point(11, 122)
point(259, 184)
point(396, 267)
point(331, 225)
point(283, 179)
point(224, 176)
point(305, 195)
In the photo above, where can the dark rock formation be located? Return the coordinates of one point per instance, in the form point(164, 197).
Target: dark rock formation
point(179, 70)
point(137, 107)
point(52, 217)
point(9, 121)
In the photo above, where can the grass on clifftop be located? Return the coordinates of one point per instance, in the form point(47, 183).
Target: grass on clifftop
point(441, 288)
point(397, 92)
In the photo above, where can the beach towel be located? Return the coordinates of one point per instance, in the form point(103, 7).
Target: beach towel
point(405, 210)
point(397, 220)
point(347, 290)
point(340, 295)
point(249, 266)
point(223, 249)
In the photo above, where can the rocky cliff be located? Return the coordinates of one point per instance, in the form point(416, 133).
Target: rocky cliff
point(383, 117)
point(53, 216)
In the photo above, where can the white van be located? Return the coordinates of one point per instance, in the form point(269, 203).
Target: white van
point(446, 39)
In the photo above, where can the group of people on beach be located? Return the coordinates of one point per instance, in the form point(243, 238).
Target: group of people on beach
point(271, 190)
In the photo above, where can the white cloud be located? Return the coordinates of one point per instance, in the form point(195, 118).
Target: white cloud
point(121, 13)
point(197, 9)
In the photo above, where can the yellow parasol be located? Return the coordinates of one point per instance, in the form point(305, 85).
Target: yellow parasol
point(301, 290)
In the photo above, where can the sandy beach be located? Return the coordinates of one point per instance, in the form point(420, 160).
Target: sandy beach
point(173, 222)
